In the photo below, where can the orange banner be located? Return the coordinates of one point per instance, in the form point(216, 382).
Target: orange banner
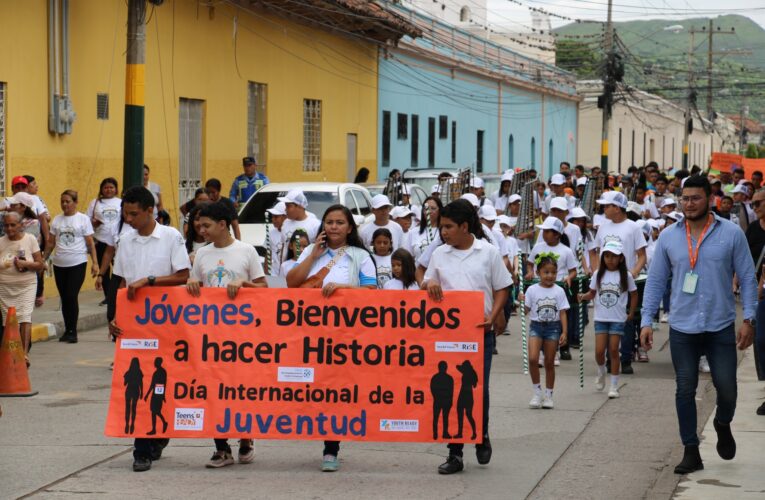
point(291, 364)
point(725, 162)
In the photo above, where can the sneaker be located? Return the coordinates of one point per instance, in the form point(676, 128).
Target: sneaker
point(536, 402)
point(556, 361)
point(565, 355)
point(495, 351)
point(642, 355)
point(627, 368)
point(220, 459)
point(703, 365)
point(600, 382)
point(613, 392)
point(453, 464)
point(547, 403)
point(761, 409)
point(246, 453)
point(330, 463)
point(141, 464)
point(664, 317)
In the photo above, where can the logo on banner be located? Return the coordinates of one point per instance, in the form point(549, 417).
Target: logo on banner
point(295, 374)
point(139, 343)
point(456, 346)
point(390, 425)
point(189, 419)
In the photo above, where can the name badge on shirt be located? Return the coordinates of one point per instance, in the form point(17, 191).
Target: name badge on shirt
point(159, 389)
point(689, 283)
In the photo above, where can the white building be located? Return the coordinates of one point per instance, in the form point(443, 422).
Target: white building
point(643, 128)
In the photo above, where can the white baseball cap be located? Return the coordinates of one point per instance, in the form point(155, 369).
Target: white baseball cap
point(507, 176)
point(613, 198)
point(380, 200)
point(667, 202)
point(740, 188)
point(295, 196)
point(473, 199)
point(513, 198)
point(504, 219)
point(675, 216)
point(582, 181)
point(577, 213)
point(476, 182)
point(279, 209)
point(553, 223)
point(399, 212)
point(557, 179)
point(633, 207)
point(559, 202)
point(613, 246)
point(488, 213)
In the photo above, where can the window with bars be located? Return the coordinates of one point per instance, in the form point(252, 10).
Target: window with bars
point(2, 137)
point(102, 106)
point(257, 121)
point(311, 135)
point(402, 120)
point(386, 139)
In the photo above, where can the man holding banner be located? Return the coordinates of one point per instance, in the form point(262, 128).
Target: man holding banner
point(230, 264)
point(468, 262)
point(154, 255)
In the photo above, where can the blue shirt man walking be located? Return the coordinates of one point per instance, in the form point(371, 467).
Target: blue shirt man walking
point(701, 253)
point(247, 183)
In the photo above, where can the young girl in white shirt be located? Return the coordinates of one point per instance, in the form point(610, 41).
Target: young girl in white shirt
point(546, 305)
point(382, 245)
point(298, 243)
point(403, 271)
point(610, 288)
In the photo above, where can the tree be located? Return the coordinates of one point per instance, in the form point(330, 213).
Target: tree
point(577, 57)
point(752, 152)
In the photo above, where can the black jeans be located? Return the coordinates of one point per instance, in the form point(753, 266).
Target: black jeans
point(148, 447)
point(69, 282)
point(489, 341)
point(106, 272)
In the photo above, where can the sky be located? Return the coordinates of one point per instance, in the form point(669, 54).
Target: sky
point(509, 13)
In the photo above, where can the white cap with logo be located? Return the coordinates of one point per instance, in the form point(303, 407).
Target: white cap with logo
point(553, 223)
point(296, 197)
point(380, 200)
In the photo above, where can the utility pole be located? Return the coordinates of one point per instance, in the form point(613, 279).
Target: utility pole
point(691, 97)
point(135, 82)
point(608, 88)
point(710, 53)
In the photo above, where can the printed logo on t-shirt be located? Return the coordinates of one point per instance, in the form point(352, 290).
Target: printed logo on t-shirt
point(384, 275)
point(220, 276)
point(612, 237)
point(66, 236)
point(547, 309)
point(609, 294)
point(110, 214)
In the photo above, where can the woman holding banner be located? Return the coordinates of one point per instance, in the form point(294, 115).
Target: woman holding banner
point(337, 259)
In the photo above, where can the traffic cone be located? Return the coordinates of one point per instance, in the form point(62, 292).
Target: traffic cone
point(14, 379)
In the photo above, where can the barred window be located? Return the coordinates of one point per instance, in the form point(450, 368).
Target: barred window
point(257, 122)
point(311, 135)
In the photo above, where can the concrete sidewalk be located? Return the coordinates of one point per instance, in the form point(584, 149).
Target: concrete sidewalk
point(48, 322)
point(742, 477)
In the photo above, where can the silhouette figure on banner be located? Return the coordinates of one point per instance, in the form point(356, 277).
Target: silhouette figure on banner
point(157, 393)
point(465, 397)
point(442, 390)
point(133, 392)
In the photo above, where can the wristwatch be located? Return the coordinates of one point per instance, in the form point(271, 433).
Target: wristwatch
point(152, 279)
point(751, 322)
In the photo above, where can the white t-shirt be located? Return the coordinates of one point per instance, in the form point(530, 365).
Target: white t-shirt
point(650, 207)
point(310, 225)
point(573, 233)
point(569, 199)
point(70, 232)
point(610, 299)
point(107, 211)
point(216, 267)
point(340, 272)
point(478, 268)
point(424, 259)
point(512, 247)
point(277, 244)
point(566, 258)
point(497, 239)
point(500, 201)
point(545, 304)
point(40, 206)
point(286, 267)
point(418, 242)
point(162, 253)
point(628, 233)
point(397, 284)
point(368, 229)
point(384, 270)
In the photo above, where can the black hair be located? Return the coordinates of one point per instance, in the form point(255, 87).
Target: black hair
point(695, 170)
point(662, 178)
point(362, 176)
point(299, 233)
point(139, 195)
point(408, 269)
point(698, 181)
point(191, 232)
point(632, 169)
point(213, 183)
point(163, 217)
point(107, 180)
point(565, 163)
point(543, 261)
point(462, 211)
point(199, 191)
point(217, 212)
point(682, 174)
point(652, 165)
point(353, 238)
point(623, 283)
point(727, 197)
point(393, 172)
point(756, 172)
point(145, 166)
point(30, 179)
point(424, 215)
point(382, 232)
point(579, 167)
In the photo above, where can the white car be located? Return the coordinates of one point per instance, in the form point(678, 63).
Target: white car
point(320, 195)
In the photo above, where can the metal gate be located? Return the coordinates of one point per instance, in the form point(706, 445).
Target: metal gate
point(190, 140)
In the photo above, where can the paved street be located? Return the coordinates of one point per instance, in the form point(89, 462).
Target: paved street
point(52, 445)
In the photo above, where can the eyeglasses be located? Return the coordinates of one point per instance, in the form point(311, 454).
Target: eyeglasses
point(691, 199)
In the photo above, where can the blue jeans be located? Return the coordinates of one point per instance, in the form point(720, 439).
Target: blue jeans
point(720, 349)
point(546, 330)
point(489, 342)
point(609, 327)
point(759, 341)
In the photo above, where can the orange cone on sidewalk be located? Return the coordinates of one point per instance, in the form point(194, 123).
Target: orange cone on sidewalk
point(14, 379)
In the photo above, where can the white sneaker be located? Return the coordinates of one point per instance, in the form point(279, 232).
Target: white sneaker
point(536, 401)
point(664, 317)
point(547, 403)
point(613, 392)
point(703, 365)
point(600, 382)
point(556, 362)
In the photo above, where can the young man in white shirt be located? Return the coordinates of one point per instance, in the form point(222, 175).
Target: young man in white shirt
point(557, 186)
point(154, 255)
point(278, 214)
point(297, 218)
point(230, 264)
point(617, 227)
point(466, 262)
point(381, 207)
point(500, 197)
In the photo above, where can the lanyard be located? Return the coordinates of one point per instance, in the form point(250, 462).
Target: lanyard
point(694, 256)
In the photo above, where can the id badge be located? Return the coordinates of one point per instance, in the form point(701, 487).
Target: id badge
point(159, 389)
point(689, 283)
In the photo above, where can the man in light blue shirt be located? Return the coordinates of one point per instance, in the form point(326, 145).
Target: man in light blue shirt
point(701, 253)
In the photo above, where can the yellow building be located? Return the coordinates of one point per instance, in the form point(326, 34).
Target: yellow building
point(294, 85)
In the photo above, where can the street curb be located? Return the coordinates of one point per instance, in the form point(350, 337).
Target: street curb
point(42, 332)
